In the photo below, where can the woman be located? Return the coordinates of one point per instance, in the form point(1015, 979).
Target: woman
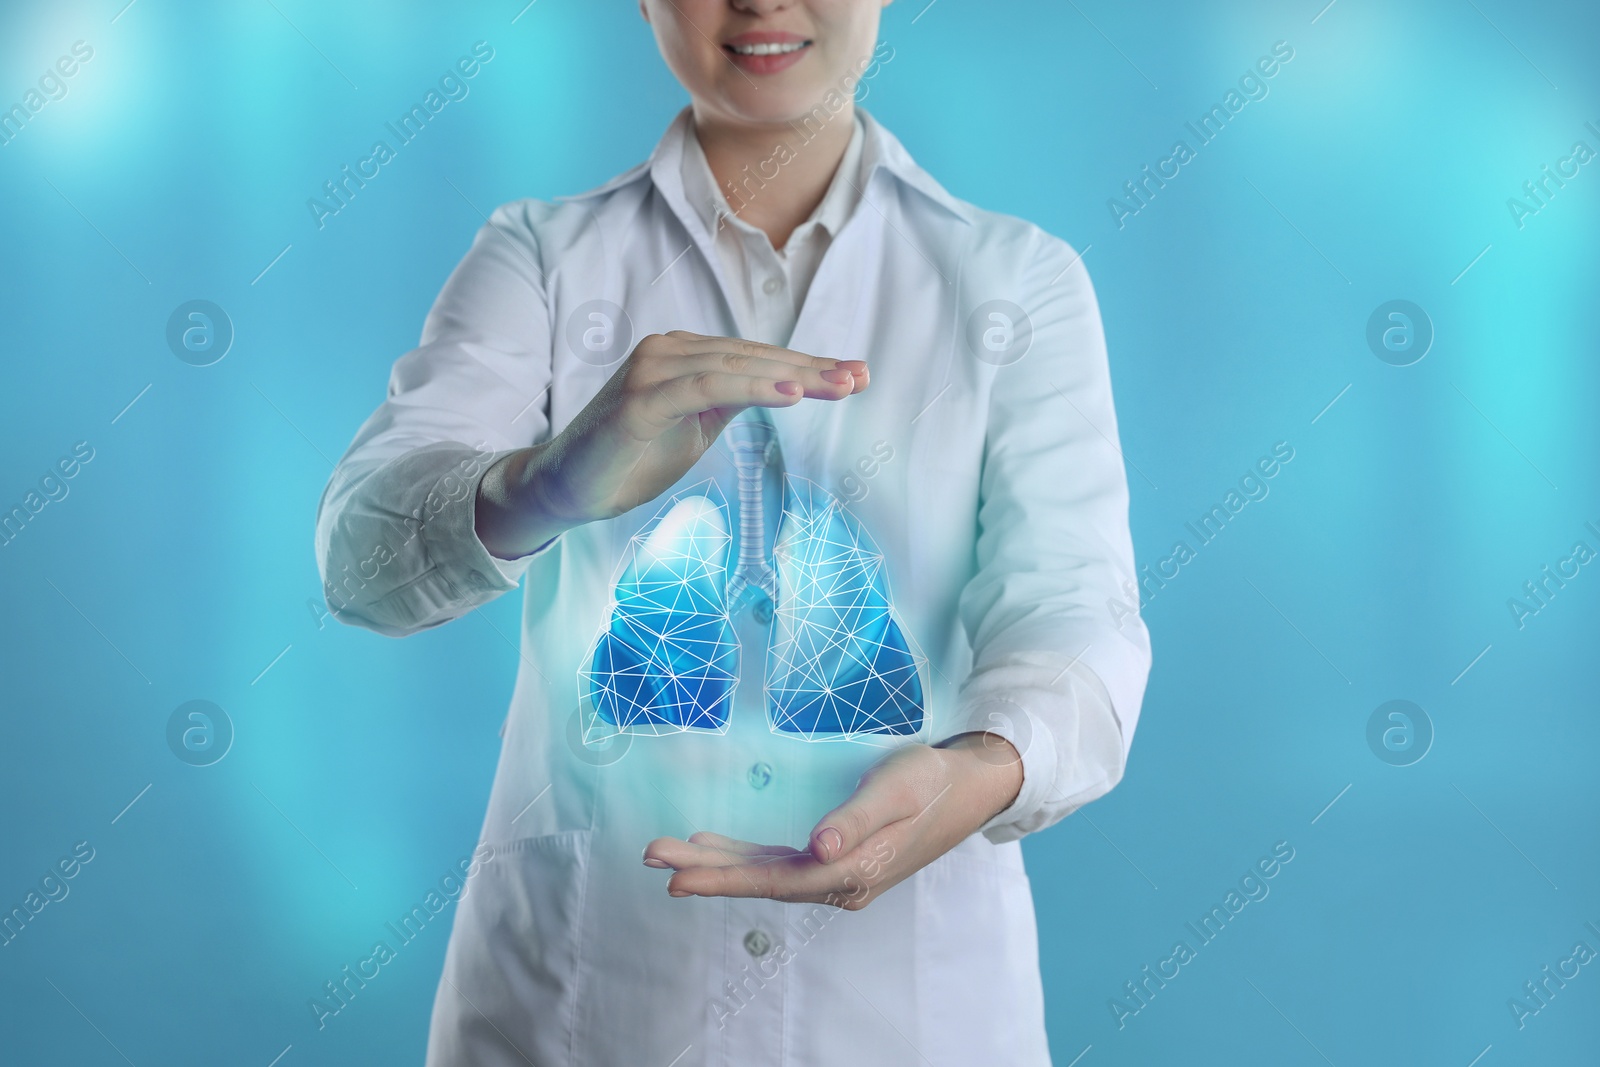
point(829, 583)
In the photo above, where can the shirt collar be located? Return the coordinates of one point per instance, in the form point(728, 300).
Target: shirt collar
point(880, 151)
point(834, 209)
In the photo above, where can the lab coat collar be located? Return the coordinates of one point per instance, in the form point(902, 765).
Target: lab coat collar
point(840, 200)
point(881, 150)
point(824, 331)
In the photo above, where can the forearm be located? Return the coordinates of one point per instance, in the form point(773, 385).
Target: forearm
point(513, 513)
point(986, 768)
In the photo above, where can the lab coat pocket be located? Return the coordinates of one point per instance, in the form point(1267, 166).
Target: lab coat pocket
point(511, 972)
point(979, 938)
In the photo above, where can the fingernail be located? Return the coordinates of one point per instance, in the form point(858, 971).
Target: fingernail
point(788, 388)
point(659, 865)
point(677, 892)
point(838, 376)
point(831, 842)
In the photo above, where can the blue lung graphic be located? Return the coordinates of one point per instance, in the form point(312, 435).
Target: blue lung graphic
point(668, 660)
point(838, 663)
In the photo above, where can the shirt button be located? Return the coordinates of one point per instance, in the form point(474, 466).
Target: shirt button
point(757, 943)
point(759, 775)
point(762, 611)
point(771, 286)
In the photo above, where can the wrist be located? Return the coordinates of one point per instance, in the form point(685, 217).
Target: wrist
point(515, 511)
point(988, 766)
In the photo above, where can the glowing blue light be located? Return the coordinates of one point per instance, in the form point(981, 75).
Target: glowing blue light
point(669, 660)
point(838, 665)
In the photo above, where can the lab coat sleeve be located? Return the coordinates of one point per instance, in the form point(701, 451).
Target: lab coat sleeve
point(396, 541)
point(1060, 654)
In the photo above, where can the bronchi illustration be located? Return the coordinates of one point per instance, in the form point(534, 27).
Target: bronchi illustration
point(838, 663)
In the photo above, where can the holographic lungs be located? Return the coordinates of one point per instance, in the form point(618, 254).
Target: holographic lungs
point(838, 665)
point(668, 660)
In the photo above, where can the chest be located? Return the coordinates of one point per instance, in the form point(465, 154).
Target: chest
point(908, 447)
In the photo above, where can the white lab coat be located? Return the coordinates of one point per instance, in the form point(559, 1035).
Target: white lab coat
point(1002, 516)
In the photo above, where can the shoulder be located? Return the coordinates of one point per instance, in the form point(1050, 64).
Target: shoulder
point(994, 244)
point(559, 222)
point(997, 236)
point(1006, 252)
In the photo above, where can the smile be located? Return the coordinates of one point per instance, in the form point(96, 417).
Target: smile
point(766, 49)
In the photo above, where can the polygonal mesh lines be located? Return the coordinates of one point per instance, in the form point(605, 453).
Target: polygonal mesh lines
point(838, 664)
point(668, 659)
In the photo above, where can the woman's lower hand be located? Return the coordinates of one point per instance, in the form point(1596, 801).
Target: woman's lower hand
point(912, 807)
point(653, 419)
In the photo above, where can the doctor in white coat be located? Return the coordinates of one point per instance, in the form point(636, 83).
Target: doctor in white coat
point(734, 890)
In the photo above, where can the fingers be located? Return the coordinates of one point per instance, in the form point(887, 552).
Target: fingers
point(698, 344)
point(708, 850)
point(792, 877)
point(858, 370)
point(681, 397)
point(738, 847)
point(813, 376)
point(892, 790)
point(850, 884)
point(695, 353)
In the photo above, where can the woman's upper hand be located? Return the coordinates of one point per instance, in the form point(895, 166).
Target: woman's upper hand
point(650, 422)
point(909, 809)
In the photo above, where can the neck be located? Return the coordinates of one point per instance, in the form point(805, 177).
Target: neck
point(774, 175)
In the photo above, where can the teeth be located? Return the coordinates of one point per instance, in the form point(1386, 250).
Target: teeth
point(767, 49)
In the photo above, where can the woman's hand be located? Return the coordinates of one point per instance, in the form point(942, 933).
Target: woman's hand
point(657, 415)
point(912, 807)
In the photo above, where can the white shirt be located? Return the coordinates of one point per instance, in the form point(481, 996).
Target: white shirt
point(983, 461)
point(767, 286)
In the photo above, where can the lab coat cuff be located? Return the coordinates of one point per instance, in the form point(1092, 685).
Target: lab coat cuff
point(454, 548)
point(1028, 734)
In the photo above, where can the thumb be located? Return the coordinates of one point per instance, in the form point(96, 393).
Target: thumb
point(883, 797)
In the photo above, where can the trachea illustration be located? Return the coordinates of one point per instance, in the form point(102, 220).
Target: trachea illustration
point(752, 443)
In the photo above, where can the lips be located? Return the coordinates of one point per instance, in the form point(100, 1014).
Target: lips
point(766, 51)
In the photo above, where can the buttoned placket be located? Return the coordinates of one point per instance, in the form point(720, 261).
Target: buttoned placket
point(759, 283)
point(769, 292)
point(767, 276)
point(753, 998)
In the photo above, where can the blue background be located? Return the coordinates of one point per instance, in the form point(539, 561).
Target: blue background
point(1236, 303)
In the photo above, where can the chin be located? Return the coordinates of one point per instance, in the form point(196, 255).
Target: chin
point(770, 107)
